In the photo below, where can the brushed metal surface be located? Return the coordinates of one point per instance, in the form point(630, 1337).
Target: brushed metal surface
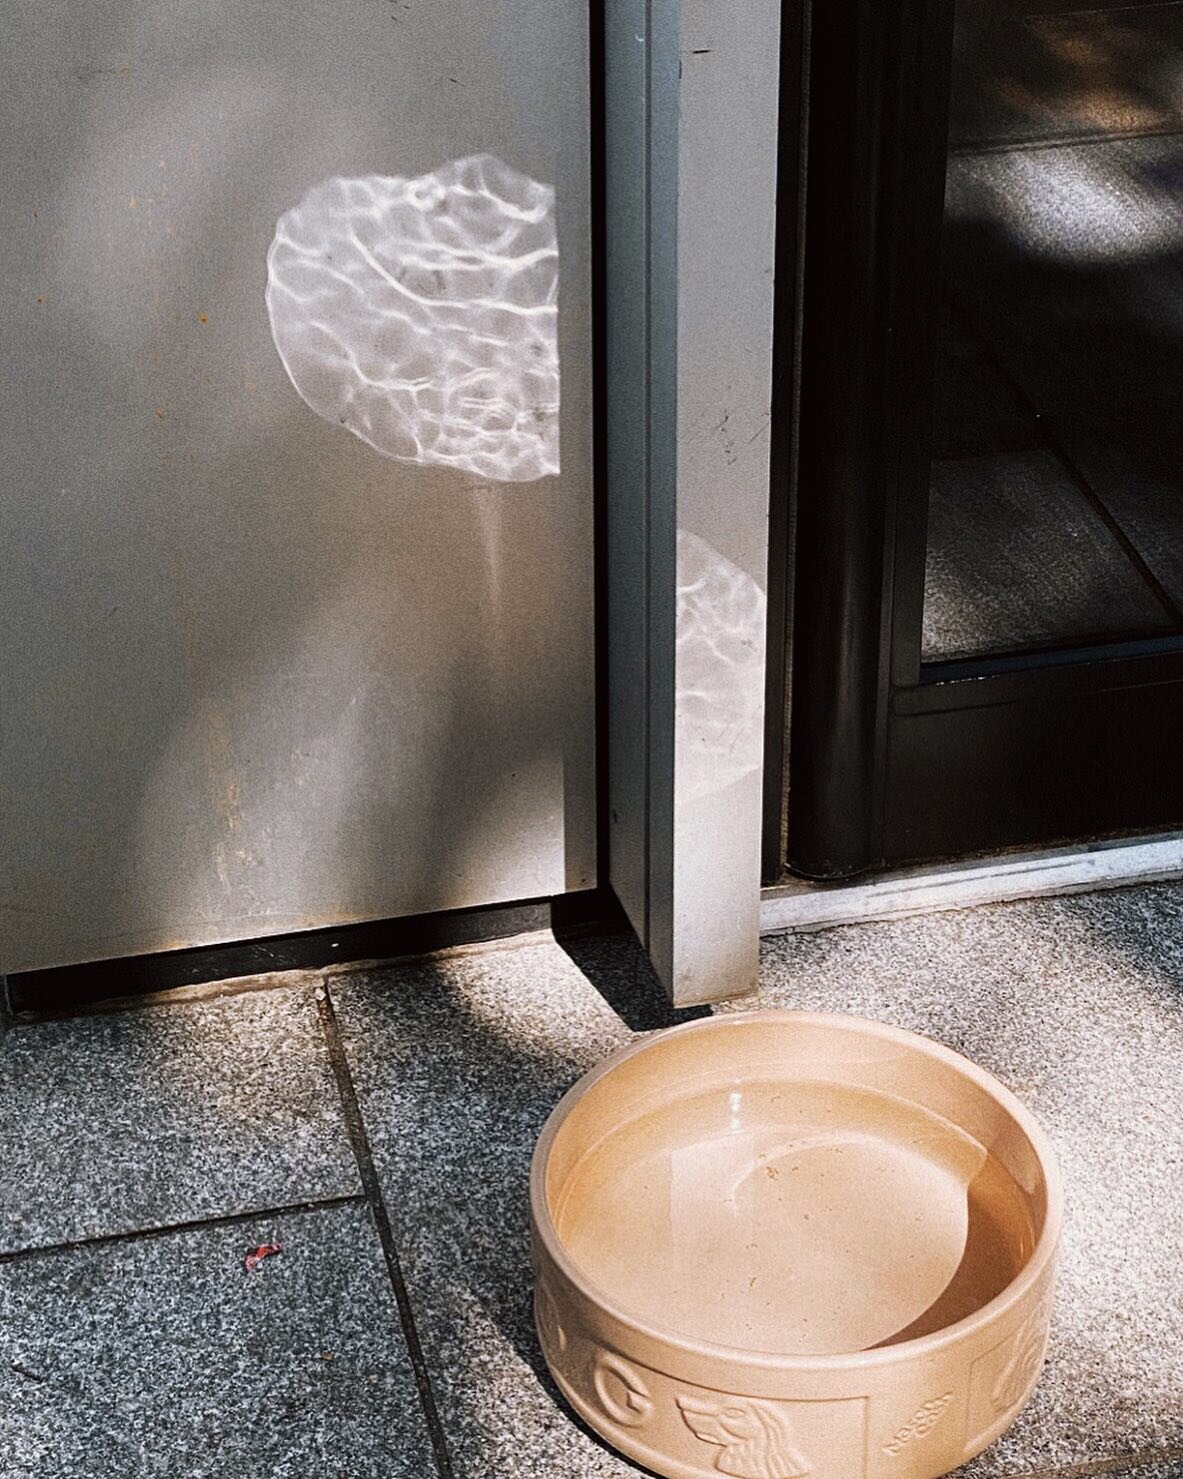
point(256, 675)
point(691, 160)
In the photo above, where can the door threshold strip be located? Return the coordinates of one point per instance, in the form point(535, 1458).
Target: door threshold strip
point(800, 906)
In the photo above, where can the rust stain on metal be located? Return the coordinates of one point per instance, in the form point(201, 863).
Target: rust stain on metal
point(223, 771)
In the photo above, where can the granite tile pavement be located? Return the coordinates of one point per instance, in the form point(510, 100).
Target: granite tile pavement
point(1077, 1005)
point(165, 1357)
point(407, 1102)
point(457, 1064)
point(122, 1121)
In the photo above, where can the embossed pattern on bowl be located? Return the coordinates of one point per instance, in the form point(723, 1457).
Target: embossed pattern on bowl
point(784, 1244)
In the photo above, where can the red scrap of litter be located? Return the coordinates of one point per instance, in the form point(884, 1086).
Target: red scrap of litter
point(256, 1255)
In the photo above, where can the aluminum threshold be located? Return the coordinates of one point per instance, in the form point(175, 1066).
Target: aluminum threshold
point(793, 907)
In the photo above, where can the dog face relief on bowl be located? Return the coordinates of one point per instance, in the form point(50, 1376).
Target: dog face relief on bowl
point(780, 1244)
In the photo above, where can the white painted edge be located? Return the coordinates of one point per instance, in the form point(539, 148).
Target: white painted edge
point(799, 907)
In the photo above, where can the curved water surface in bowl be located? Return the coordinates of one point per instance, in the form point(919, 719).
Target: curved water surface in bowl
point(809, 1219)
point(780, 1243)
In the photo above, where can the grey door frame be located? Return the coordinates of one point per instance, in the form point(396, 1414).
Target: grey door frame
point(690, 162)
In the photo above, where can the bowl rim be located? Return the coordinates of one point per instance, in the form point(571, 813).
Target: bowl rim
point(1032, 1271)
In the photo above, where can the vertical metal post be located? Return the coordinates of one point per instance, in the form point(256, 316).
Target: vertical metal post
point(691, 104)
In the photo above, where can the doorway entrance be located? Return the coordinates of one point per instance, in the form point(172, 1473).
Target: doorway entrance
point(985, 641)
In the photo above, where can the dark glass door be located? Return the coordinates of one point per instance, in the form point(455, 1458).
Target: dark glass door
point(986, 636)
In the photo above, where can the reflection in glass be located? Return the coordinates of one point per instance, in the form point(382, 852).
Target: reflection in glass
point(1055, 514)
point(422, 313)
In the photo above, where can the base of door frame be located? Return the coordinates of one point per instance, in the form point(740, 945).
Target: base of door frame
point(798, 907)
point(63, 991)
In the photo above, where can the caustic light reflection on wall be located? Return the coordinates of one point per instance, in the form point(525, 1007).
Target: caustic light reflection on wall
point(719, 697)
point(422, 314)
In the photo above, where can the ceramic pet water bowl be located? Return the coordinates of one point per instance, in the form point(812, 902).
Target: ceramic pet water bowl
point(778, 1245)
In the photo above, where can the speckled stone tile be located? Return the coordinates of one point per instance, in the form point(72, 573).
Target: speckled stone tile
point(1076, 1004)
point(1070, 261)
point(167, 1114)
point(162, 1356)
point(996, 526)
point(457, 1064)
point(976, 413)
point(1045, 77)
point(1172, 1470)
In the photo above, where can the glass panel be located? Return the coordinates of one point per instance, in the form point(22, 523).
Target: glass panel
point(1057, 480)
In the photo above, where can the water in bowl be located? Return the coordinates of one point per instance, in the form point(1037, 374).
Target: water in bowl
point(806, 1218)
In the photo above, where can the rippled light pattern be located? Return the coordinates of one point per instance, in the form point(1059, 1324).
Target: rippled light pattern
point(422, 315)
point(720, 670)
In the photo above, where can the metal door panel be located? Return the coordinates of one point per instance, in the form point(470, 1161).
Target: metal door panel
point(256, 675)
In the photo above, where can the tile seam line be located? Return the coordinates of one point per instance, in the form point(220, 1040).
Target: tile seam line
point(297, 978)
point(1117, 1464)
point(168, 1229)
point(981, 148)
point(1059, 449)
point(372, 1195)
point(191, 994)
